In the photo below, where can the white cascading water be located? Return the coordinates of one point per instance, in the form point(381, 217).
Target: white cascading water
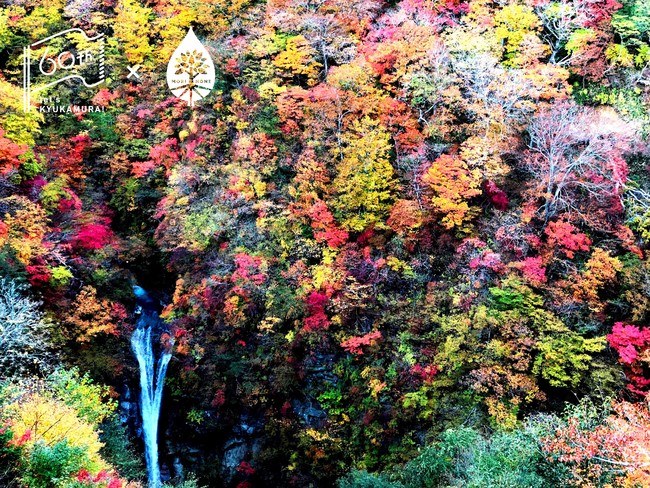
point(152, 378)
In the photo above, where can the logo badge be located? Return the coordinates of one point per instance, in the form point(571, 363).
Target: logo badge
point(64, 56)
point(190, 72)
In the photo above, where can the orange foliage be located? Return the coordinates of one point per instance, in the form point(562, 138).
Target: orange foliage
point(601, 269)
point(89, 316)
point(450, 184)
point(618, 448)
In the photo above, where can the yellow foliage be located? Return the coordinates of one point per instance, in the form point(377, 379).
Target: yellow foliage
point(318, 436)
point(268, 324)
point(376, 386)
point(228, 11)
point(38, 20)
point(513, 24)
point(37, 418)
point(298, 60)
point(365, 180)
point(131, 26)
point(504, 417)
point(269, 90)
point(618, 54)
point(356, 77)
point(324, 276)
point(478, 154)
point(248, 183)
point(19, 126)
point(473, 41)
point(172, 24)
point(27, 224)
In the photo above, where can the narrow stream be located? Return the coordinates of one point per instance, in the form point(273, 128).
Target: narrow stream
point(153, 363)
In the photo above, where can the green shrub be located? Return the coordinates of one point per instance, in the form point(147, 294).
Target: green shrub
point(119, 452)
point(190, 482)
point(48, 466)
point(363, 479)
point(9, 458)
point(91, 401)
point(465, 458)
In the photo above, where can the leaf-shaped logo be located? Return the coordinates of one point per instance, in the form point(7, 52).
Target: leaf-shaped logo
point(190, 72)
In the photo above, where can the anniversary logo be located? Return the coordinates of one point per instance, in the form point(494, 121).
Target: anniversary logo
point(67, 55)
point(190, 72)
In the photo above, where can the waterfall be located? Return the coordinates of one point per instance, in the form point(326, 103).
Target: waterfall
point(152, 378)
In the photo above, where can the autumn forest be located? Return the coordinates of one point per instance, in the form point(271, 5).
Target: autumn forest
point(363, 244)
